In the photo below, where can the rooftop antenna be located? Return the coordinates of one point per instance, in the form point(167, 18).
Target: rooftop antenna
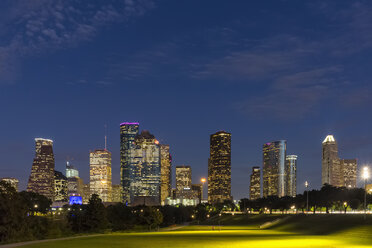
point(105, 136)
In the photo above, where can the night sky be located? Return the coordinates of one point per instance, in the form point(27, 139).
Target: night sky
point(263, 70)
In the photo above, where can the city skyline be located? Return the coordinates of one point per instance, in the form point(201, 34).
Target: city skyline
point(262, 71)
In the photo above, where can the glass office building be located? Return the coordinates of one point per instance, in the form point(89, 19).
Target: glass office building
point(274, 176)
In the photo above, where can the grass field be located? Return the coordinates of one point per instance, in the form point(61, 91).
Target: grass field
point(241, 231)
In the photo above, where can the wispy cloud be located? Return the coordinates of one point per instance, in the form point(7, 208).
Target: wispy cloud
point(31, 27)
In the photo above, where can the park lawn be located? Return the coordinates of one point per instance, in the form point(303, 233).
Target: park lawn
point(201, 237)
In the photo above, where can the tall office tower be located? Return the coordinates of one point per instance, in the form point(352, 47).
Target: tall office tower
point(74, 182)
point(219, 168)
point(60, 187)
point(274, 168)
point(100, 174)
point(71, 171)
point(41, 179)
point(144, 186)
point(128, 133)
point(116, 193)
point(331, 166)
point(183, 177)
point(255, 186)
point(166, 173)
point(349, 169)
point(291, 172)
point(12, 181)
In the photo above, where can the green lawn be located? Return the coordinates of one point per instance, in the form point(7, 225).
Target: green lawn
point(246, 234)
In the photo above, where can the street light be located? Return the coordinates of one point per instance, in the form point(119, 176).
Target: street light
point(365, 176)
point(307, 196)
point(203, 180)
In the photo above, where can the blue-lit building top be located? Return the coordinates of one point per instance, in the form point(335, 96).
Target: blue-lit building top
point(274, 173)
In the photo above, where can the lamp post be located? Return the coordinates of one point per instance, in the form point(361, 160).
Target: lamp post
point(202, 180)
point(307, 196)
point(365, 177)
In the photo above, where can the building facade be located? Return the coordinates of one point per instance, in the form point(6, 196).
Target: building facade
point(274, 155)
point(100, 174)
point(331, 166)
point(145, 170)
point(335, 171)
point(349, 171)
point(14, 182)
point(60, 187)
point(166, 173)
point(116, 193)
point(41, 179)
point(183, 178)
point(86, 193)
point(219, 168)
point(255, 184)
point(128, 133)
point(74, 182)
point(291, 172)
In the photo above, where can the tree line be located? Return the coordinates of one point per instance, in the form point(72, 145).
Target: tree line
point(328, 198)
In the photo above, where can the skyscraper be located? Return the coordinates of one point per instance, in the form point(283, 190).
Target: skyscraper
point(219, 168)
point(274, 168)
point(349, 171)
point(100, 174)
point(335, 171)
point(128, 132)
point(183, 180)
point(331, 166)
point(144, 170)
point(166, 173)
point(255, 186)
point(60, 187)
point(41, 179)
point(291, 172)
point(74, 182)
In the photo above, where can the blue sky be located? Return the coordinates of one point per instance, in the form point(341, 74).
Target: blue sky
point(262, 70)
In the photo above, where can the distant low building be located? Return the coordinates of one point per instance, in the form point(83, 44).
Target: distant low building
point(116, 193)
point(86, 193)
point(12, 181)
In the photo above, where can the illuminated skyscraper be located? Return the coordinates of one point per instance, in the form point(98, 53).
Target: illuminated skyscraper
point(219, 168)
point(74, 182)
point(41, 179)
point(349, 169)
point(274, 168)
point(183, 180)
point(183, 177)
point(166, 170)
point(331, 166)
point(60, 187)
point(144, 170)
point(291, 172)
point(255, 186)
point(128, 132)
point(100, 174)
point(12, 181)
